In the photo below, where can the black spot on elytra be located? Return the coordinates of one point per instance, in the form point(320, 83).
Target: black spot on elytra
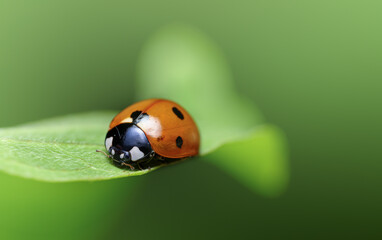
point(137, 116)
point(179, 142)
point(178, 113)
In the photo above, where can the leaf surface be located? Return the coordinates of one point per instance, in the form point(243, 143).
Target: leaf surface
point(60, 149)
point(180, 63)
point(177, 63)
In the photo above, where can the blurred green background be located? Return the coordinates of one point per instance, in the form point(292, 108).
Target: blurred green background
point(313, 67)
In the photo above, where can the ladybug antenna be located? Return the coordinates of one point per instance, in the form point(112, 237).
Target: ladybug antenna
point(107, 155)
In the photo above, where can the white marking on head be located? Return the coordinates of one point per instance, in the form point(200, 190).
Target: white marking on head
point(108, 142)
point(112, 152)
point(127, 120)
point(136, 154)
point(121, 156)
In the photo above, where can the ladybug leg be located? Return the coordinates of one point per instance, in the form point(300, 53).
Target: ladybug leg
point(139, 166)
point(151, 156)
point(163, 160)
point(129, 165)
point(149, 167)
point(107, 155)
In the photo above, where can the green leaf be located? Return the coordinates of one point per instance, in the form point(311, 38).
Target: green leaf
point(63, 149)
point(180, 63)
point(177, 63)
point(258, 160)
point(60, 149)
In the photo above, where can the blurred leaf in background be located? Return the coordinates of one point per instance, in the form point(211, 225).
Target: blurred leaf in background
point(176, 63)
point(312, 67)
point(182, 64)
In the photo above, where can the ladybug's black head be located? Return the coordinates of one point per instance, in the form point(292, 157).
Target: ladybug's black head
point(119, 155)
point(127, 143)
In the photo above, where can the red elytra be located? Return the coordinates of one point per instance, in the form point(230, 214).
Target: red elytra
point(170, 129)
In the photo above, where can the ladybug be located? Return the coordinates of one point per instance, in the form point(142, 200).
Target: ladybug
point(152, 129)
